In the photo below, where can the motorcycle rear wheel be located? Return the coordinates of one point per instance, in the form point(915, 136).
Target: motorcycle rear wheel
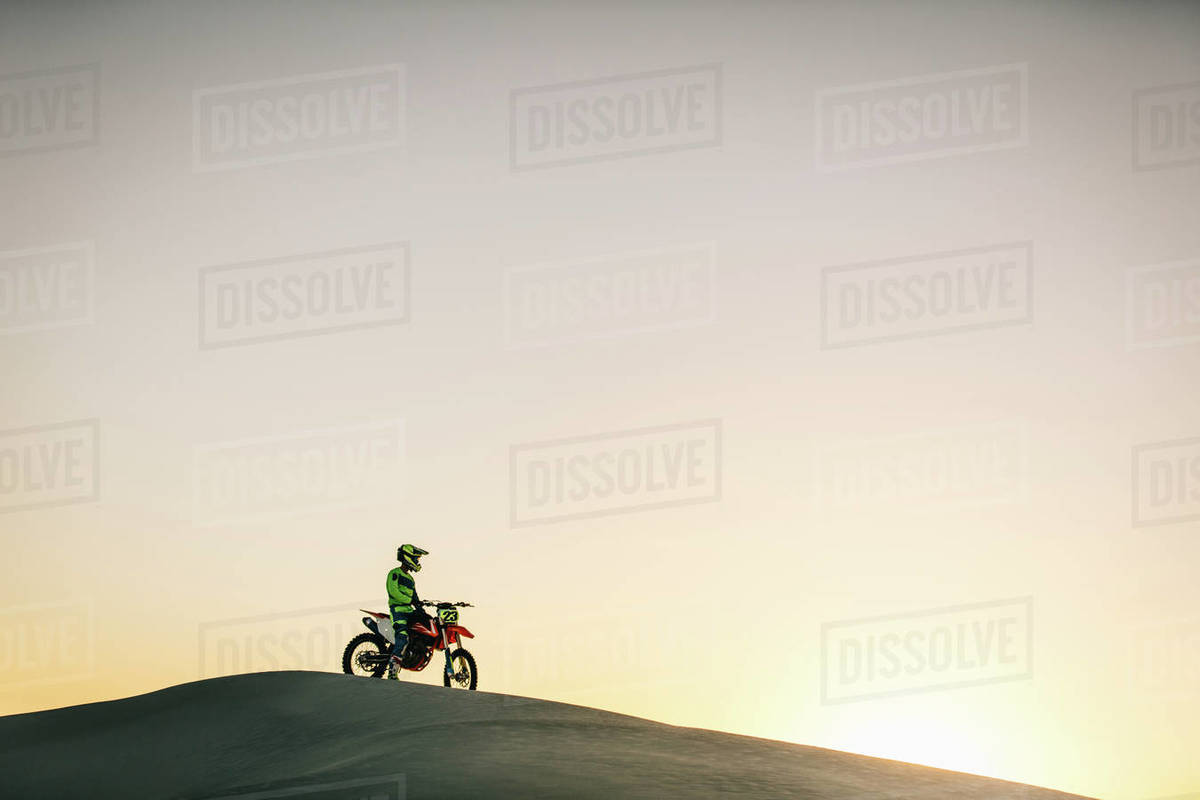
point(466, 675)
point(352, 662)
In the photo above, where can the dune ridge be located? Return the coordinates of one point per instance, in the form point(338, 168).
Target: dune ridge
point(334, 737)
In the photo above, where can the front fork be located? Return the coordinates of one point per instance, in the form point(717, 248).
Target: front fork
point(446, 647)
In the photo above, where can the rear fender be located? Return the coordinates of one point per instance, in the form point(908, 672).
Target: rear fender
point(386, 631)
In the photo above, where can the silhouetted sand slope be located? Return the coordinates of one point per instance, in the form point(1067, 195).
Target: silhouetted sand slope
point(265, 733)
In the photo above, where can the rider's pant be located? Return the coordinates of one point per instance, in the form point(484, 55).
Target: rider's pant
point(400, 627)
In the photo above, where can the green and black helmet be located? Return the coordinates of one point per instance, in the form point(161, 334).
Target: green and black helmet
point(410, 556)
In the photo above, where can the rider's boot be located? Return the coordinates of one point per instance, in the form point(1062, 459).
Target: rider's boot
point(397, 650)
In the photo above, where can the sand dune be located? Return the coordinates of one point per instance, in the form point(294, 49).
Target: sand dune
point(334, 737)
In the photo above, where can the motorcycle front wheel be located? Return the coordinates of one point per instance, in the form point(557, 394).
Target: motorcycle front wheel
point(465, 676)
point(366, 656)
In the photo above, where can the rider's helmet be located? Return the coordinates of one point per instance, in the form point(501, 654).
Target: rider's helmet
point(410, 556)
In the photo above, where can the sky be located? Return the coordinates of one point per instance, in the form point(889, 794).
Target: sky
point(819, 372)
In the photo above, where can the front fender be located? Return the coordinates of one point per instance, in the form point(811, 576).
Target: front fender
point(453, 632)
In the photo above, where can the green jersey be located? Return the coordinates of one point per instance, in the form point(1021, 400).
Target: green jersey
point(402, 591)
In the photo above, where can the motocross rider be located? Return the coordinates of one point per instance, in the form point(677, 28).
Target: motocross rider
point(402, 598)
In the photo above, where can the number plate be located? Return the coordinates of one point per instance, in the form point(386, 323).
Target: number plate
point(448, 615)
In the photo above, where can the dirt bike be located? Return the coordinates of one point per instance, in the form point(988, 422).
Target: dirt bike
point(367, 654)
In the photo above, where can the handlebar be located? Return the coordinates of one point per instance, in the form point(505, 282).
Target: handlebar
point(432, 603)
